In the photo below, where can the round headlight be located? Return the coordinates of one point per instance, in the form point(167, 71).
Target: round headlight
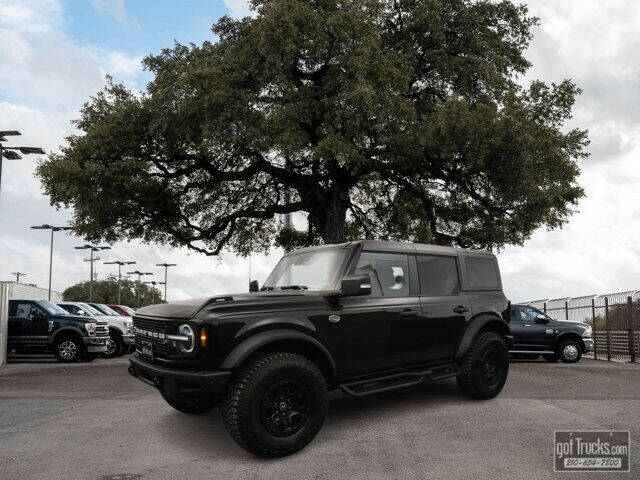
point(186, 331)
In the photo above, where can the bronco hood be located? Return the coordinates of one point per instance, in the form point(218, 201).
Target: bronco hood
point(189, 308)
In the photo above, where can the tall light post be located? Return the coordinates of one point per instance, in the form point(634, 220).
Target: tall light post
point(166, 266)
point(120, 263)
point(10, 152)
point(154, 283)
point(140, 274)
point(92, 248)
point(53, 229)
point(18, 275)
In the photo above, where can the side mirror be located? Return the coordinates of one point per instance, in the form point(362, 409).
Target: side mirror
point(81, 312)
point(542, 319)
point(253, 286)
point(37, 316)
point(355, 285)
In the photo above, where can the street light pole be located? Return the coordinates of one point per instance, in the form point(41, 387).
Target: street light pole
point(53, 229)
point(166, 266)
point(154, 283)
point(10, 152)
point(92, 248)
point(139, 273)
point(120, 263)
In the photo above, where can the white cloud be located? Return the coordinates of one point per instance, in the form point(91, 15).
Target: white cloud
point(115, 9)
point(239, 8)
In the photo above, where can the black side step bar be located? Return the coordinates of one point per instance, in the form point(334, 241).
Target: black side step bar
point(398, 380)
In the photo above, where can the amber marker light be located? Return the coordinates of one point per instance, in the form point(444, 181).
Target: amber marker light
point(203, 337)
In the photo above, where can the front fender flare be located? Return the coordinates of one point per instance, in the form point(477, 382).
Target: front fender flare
point(244, 349)
point(489, 322)
point(64, 330)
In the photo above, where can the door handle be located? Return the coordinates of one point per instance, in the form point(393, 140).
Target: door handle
point(526, 325)
point(461, 309)
point(408, 312)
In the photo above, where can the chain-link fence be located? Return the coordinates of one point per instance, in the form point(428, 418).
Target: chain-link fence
point(615, 318)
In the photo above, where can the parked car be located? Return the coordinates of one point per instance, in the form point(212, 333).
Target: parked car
point(363, 317)
point(122, 309)
point(535, 333)
point(120, 328)
point(44, 326)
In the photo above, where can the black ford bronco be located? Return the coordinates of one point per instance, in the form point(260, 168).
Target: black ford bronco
point(39, 326)
point(363, 317)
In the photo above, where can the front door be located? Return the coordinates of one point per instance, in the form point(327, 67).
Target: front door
point(528, 332)
point(374, 326)
point(36, 326)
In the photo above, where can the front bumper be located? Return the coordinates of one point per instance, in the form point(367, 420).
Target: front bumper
point(180, 384)
point(95, 344)
point(588, 344)
point(129, 339)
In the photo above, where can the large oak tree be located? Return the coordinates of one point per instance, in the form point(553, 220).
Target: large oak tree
point(400, 119)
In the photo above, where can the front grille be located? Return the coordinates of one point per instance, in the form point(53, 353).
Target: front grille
point(102, 329)
point(154, 331)
point(158, 326)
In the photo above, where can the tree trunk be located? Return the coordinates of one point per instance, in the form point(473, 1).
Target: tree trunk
point(329, 217)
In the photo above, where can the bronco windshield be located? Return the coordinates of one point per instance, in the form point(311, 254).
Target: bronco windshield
point(315, 270)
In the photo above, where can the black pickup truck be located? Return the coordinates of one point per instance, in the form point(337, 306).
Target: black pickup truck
point(363, 317)
point(39, 326)
point(535, 333)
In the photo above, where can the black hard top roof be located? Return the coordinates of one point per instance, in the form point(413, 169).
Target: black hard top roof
point(404, 247)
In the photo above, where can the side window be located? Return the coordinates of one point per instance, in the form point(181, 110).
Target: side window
point(389, 273)
point(22, 310)
point(482, 273)
point(71, 309)
point(438, 275)
point(529, 314)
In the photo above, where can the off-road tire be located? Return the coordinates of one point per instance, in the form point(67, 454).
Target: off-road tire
point(243, 405)
point(189, 407)
point(62, 350)
point(564, 345)
point(471, 380)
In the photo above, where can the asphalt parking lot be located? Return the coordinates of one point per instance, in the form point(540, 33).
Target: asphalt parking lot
point(94, 421)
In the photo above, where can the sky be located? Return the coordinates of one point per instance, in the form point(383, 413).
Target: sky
point(55, 54)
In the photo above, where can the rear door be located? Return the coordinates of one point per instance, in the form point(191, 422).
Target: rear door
point(444, 308)
point(18, 313)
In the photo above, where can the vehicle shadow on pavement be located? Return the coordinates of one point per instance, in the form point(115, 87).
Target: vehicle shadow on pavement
point(206, 436)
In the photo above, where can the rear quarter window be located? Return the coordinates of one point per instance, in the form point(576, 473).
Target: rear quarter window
point(482, 273)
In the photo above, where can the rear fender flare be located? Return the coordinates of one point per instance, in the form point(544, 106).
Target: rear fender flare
point(487, 321)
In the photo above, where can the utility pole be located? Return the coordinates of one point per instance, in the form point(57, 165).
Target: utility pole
point(91, 259)
point(166, 265)
point(120, 264)
point(140, 274)
point(10, 152)
point(18, 275)
point(53, 229)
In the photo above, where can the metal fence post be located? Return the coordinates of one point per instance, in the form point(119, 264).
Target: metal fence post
point(632, 350)
point(593, 319)
point(606, 321)
point(4, 321)
point(566, 310)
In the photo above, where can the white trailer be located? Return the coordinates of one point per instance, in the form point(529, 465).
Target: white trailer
point(20, 291)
